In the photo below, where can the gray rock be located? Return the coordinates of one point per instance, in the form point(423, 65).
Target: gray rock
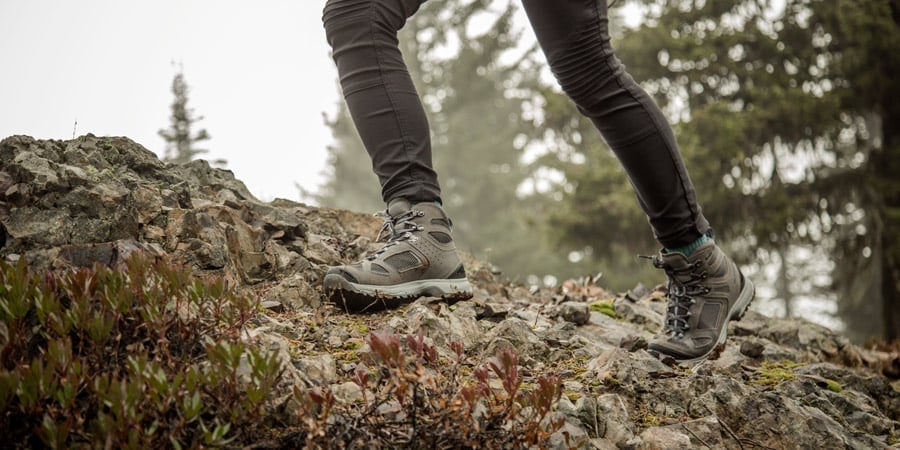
point(648, 312)
point(463, 323)
point(575, 312)
point(38, 172)
point(347, 392)
point(272, 305)
point(752, 348)
point(567, 437)
point(633, 343)
point(601, 444)
point(620, 366)
point(514, 333)
point(321, 250)
point(495, 310)
point(318, 370)
point(295, 292)
point(609, 419)
point(282, 393)
point(663, 438)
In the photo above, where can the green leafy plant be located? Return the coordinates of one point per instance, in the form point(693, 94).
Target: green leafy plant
point(145, 355)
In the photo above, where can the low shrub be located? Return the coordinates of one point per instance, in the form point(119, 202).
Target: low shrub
point(148, 356)
point(142, 356)
point(411, 398)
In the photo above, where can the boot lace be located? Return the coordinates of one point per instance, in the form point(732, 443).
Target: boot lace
point(395, 230)
point(683, 285)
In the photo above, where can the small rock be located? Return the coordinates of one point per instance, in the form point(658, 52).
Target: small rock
point(643, 312)
point(17, 194)
point(633, 343)
point(752, 348)
point(573, 386)
point(347, 392)
point(565, 406)
point(701, 433)
point(610, 418)
point(321, 250)
point(319, 369)
point(296, 292)
point(6, 181)
point(575, 312)
point(492, 310)
point(626, 368)
point(663, 438)
point(601, 444)
point(273, 306)
point(518, 335)
point(569, 436)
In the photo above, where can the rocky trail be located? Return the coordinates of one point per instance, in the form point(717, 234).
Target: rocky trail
point(775, 384)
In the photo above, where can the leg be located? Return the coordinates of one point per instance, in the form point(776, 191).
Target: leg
point(419, 256)
point(575, 37)
point(705, 288)
point(380, 94)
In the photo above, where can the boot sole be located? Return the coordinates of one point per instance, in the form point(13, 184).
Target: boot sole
point(356, 297)
point(737, 313)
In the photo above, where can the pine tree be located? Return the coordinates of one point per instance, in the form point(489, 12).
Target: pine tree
point(181, 140)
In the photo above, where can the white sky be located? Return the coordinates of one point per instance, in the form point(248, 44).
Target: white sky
point(260, 74)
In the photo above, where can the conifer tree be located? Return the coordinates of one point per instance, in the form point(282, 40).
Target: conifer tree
point(181, 139)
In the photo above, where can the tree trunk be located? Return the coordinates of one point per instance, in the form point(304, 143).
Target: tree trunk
point(784, 283)
point(887, 167)
point(890, 286)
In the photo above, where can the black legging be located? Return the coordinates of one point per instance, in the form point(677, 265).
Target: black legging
point(574, 35)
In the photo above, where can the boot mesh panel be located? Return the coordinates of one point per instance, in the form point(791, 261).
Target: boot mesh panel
point(378, 268)
point(708, 316)
point(403, 261)
point(441, 237)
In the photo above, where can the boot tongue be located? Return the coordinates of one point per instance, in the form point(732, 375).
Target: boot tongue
point(398, 206)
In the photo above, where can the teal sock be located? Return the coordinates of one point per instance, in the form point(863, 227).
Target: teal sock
point(688, 249)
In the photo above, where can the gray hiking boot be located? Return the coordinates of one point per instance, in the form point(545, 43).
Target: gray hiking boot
point(418, 259)
point(705, 291)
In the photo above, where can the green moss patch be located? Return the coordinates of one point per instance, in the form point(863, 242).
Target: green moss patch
point(606, 307)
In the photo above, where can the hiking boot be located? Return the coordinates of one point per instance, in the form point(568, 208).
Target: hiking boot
point(417, 259)
point(705, 291)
